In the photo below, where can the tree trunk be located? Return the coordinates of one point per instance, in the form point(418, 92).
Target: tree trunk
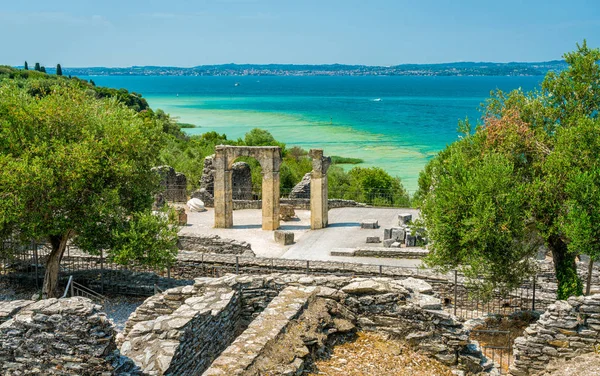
point(565, 267)
point(59, 244)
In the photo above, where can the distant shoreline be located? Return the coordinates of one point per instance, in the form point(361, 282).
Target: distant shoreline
point(240, 70)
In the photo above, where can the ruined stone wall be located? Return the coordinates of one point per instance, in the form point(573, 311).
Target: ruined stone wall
point(214, 244)
point(57, 337)
point(173, 183)
point(567, 329)
point(246, 350)
point(185, 341)
point(402, 308)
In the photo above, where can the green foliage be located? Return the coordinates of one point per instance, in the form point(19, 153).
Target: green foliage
point(43, 69)
point(26, 67)
point(75, 166)
point(58, 70)
point(529, 174)
point(336, 159)
point(186, 125)
point(370, 185)
point(139, 236)
point(37, 67)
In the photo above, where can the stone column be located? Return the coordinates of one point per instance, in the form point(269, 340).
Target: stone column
point(223, 193)
point(270, 200)
point(319, 208)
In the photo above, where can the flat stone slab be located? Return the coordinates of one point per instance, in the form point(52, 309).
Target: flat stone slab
point(429, 302)
point(373, 239)
point(369, 224)
point(283, 237)
point(416, 285)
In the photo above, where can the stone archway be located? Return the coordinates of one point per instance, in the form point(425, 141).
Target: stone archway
point(269, 158)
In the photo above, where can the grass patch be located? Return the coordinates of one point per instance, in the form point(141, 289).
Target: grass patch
point(336, 159)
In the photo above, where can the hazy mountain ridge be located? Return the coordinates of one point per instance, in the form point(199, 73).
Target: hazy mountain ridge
point(443, 69)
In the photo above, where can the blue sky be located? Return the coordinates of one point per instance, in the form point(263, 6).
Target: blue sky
point(374, 32)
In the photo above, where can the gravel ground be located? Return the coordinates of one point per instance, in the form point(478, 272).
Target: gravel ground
point(118, 309)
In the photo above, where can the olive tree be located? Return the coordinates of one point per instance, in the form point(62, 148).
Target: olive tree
point(74, 168)
point(528, 175)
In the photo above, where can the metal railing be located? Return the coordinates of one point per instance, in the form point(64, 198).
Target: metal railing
point(75, 289)
point(496, 345)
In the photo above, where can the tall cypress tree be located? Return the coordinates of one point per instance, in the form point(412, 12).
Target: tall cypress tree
point(58, 70)
point(37, 67)
point(26, 67)
point(43, 69)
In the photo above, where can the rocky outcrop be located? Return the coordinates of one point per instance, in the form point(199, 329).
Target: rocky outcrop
point(302, 189)
point(58, 337)
point(174, 184)
point(567, 329)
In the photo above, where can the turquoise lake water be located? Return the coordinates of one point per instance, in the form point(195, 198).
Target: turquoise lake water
point(397, 123)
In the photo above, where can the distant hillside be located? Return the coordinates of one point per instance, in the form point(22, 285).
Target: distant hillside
point(445, 69)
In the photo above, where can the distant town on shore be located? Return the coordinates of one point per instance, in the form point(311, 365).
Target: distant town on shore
point(444, 69)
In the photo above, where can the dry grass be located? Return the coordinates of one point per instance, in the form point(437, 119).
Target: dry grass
point(371, 354)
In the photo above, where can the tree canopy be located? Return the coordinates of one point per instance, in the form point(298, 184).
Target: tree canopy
point(76, 168)
point(529, 175)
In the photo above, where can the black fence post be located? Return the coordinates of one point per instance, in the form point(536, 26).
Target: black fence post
point(380, 269)
point(102, 271)
point(237, 265)
point(307, 267)
point(455, 290)
point(35, 259)
point(533, 297)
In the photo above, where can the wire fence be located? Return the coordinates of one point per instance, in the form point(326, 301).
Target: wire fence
point(26, 263)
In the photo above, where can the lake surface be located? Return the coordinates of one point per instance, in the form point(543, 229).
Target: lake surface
point(397, 123)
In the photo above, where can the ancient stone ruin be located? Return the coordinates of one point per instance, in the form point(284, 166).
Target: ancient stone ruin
point(283, 321)
point(269, 158)
point(567, 329)
point(58, 337)
point(174, 184)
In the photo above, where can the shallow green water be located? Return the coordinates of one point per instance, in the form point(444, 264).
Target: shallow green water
point(397, 123)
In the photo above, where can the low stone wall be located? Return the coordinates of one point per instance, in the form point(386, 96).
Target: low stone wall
point(186, 340)
point(297, 203)
point(403, 253)
point(58, 337)
point(214, 244)
point(567, 329)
